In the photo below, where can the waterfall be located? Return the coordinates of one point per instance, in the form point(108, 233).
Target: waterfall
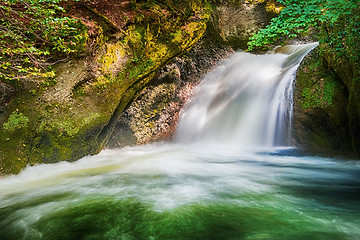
point(246, 102)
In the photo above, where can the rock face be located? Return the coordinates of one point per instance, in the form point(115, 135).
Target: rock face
point(233, 22)
point(320, 102)
point(140, 50)
point(327, 110)
point(75, 114)
point(327, 99)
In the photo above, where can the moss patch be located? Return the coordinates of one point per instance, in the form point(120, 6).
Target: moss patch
point(317, 85)
point(320, 94)
point(16, 121)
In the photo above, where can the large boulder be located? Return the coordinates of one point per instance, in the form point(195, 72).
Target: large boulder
point(327, 97)
point(155, 113)
point(232, 23)
point(320, 102)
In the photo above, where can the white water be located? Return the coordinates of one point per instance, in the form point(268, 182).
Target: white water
point(246, 102)
point(206, 185)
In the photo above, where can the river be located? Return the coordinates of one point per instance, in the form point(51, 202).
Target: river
point(229, 173)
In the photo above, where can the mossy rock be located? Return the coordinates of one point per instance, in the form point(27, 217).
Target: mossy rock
point(74, 116)
point(327, 99)
point(320, 103)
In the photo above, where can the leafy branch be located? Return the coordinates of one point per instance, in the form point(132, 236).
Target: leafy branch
point(299, 18)
point(31, 33)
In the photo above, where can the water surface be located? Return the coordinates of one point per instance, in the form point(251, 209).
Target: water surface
point(180, 192)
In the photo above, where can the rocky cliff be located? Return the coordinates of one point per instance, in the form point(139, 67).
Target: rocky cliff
point(73, 115)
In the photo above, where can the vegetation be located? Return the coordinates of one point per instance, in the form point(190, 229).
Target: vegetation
point(318, 86)
point(34, 35)
point(66, 116)
point(300, 18)
point(16, 121)
point(340, 41)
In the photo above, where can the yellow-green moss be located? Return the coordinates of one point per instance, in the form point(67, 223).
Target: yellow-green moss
point(112, 61)
point(16, 121)
point(320, 94)
point(186, 36)
point(66, 126)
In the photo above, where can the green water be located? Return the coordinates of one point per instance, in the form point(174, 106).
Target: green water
point(174, 192)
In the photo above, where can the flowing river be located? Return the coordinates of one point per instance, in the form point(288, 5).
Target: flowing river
point(230, 173)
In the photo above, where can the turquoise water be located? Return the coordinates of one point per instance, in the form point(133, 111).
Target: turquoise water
point(177, 192)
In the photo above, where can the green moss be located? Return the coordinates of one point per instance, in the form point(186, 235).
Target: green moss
point(16, 121)
point(329, 90)
point(13, 151)
point(66, 126)
point(14, 141)
point(319, 95)
point(321, 102)
point(339, 42)
point(112, 61)
point(321, 139)
point(318, 86)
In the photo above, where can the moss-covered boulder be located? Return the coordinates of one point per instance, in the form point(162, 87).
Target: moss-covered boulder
point(327, 98)
point(320, 102)
point(73, 115)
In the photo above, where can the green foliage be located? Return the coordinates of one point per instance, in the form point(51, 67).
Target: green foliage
point(124, 60)
point(32, 33)
point(16, 121)
point(299, 18)
point(340, 40)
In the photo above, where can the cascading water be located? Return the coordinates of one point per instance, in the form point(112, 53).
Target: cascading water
point(189, 191)
point(247, 102)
